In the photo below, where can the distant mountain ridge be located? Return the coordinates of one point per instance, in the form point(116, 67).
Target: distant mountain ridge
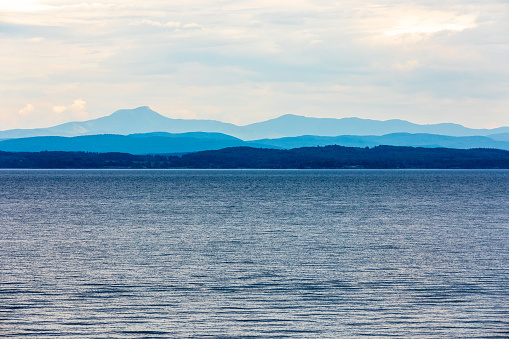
point(147, 143)
point(145, 120)
point(392, 139)
point(167, 143)
point(290, 125)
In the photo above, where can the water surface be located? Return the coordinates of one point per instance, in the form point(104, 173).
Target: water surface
point(254, 254)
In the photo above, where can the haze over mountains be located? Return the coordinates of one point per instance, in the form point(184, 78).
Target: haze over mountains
point(147, 143)
point(167, 143)
point(143, 131)
point(145, 120)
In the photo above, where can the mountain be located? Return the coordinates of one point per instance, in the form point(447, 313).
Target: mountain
point(149, 143)
point(290, 125)
point(145, 120)
point(127, 121)
point(393, 139)
point(166, 143)
point(499, 136)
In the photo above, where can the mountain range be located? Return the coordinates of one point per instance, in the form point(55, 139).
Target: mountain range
point(167, 143)
point(143, 131)
point(145, 120)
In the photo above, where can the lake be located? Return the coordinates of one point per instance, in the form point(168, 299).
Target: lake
point(254, 253)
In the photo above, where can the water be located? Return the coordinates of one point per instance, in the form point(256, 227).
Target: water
point(254, 254)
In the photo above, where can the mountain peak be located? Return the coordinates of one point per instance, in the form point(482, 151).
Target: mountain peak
point(138, 111)
point(142, 109)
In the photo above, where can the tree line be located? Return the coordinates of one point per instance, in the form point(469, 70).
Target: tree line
point(326, 157)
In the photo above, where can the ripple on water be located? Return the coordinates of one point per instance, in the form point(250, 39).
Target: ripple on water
point(254, 254)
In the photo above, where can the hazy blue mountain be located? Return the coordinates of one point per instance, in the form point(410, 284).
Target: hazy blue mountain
point(433, 140)
point(128, 121)
point(160, 143)
point(293, 125)
point(195, 135)
point(393, 139)
point(499, 136)
point(145, 120)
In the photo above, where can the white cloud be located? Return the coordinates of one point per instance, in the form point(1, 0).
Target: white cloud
point(172, 24)
point(44, 115)
point(27, 110)
point(192, 25)
point(77, 110)
point(59, 109)
point(430, 22)
point(21, 5)
point(407, 65)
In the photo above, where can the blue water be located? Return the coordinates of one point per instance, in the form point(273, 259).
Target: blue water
point(254, 254)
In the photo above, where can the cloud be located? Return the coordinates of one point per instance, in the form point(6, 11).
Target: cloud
point(251, 59)
point(77, 110)
point(172, 24)
point(27, 110)
point(177, 25)
point(192, 25)
point(44, 115)
point(407, 65)
point(21, 5)
point(430, 22)
point(59, 109)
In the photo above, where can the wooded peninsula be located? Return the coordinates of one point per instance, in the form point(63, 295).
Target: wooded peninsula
point(326, 157)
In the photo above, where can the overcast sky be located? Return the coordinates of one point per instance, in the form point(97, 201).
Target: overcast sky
point(426, 61)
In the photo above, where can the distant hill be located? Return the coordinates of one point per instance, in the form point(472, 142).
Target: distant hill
point(166, 143)
point(145, 120)
point(149, 143)
point(393, 139)
point(499, 136)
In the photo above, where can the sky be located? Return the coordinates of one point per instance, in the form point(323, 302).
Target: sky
point(425, 61)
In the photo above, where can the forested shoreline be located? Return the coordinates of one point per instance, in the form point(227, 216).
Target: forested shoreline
point(326, 157)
